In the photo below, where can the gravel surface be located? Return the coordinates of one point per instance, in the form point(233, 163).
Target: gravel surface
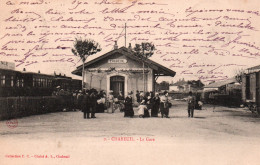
point(228, 135)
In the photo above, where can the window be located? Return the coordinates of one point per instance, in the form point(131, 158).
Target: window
point(20, 83)
point(12, 81)
point(49, 83)
point(2, 80)
point(38, 82)
point(34, 82)
point(17, 82)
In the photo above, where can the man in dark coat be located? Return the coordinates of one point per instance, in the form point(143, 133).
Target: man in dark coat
point(191, 104)
point(129, 112)
point(85, 103)
point(93, 102)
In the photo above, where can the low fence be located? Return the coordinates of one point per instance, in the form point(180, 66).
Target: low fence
point(14, 107)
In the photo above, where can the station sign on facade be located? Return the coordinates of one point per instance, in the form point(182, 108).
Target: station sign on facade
point(117, 61)
point(7, 65)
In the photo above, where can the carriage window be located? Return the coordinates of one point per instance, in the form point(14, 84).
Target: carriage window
point(20, 83)
point(49, 83)
point(17, 82)
point(45, 83)
point(2, 80)
point(38, 82)
point(12, 81)
point(33, 82)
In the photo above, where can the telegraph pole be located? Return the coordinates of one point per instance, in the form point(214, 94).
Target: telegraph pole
point(125, 34)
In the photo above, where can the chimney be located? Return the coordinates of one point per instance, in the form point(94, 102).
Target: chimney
point(130, 47)
point(115, 46)
point(24, 69)
point(39, 71)
point(54, 73)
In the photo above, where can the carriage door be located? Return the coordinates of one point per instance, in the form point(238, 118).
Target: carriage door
point(117, 84)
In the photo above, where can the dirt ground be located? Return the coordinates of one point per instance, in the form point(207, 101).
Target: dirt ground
point(216, 135)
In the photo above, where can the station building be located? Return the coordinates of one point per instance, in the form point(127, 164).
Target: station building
point(120, 70)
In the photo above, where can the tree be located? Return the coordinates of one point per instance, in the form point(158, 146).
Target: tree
point(84, 48)
point(143, 52)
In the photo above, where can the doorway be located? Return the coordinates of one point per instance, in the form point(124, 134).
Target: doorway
point(117, 84)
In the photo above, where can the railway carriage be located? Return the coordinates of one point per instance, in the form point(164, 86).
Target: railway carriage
point(250, 89)
point(20, 83)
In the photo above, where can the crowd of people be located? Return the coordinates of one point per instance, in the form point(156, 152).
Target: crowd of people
point(90, 101)
point(150, 102)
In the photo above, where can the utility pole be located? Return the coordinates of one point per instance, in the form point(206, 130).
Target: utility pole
point(143, 67)
point(125, 34)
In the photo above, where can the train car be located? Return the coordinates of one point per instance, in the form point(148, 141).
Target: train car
point(76, 84)
point(37, 84)
point(64, 83)
point(11, 83)
point(21, 83)
point(250, 89)
point(67, 83)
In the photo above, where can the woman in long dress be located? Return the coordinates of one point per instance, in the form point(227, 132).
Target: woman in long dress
point(155, 105)
point(129, 112)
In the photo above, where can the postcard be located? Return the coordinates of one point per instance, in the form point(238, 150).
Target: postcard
point(129, 82)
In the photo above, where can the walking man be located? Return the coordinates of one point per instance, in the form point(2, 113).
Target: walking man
point(191, 104)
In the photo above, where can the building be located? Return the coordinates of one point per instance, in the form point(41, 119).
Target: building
point(186, 86)
point(121, 71)
point(223, 87)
